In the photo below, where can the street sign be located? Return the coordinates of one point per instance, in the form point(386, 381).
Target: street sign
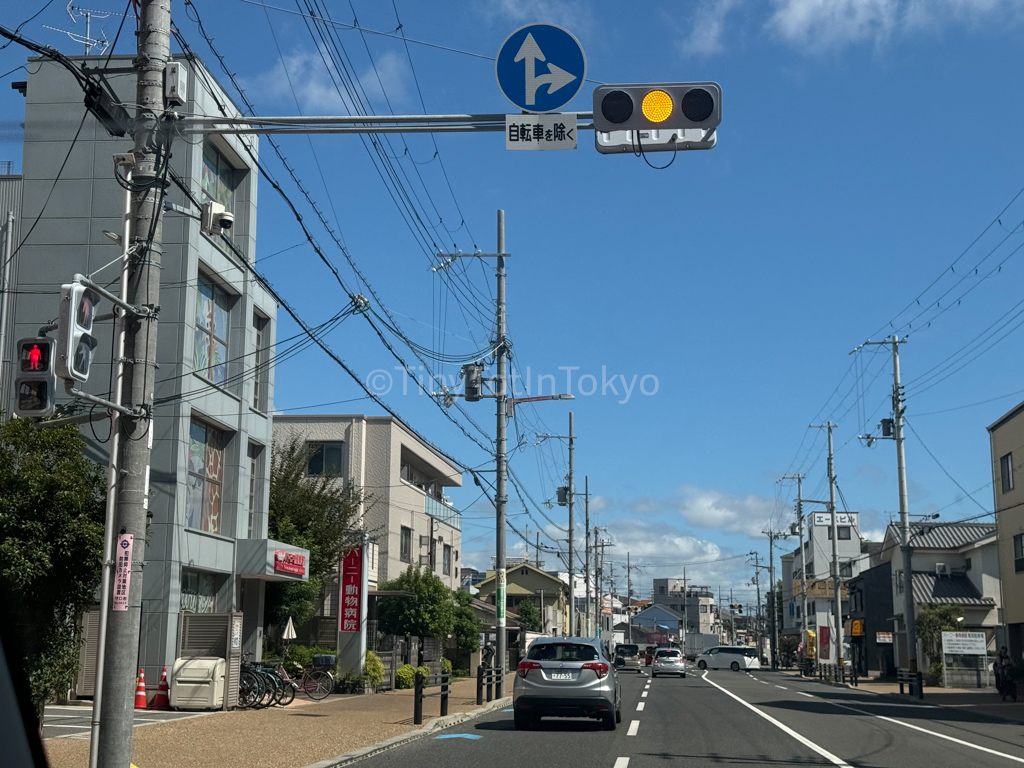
point(540, 67)
point(964, 643)
point(842, 518)
point(540, 132)
point(883, 637)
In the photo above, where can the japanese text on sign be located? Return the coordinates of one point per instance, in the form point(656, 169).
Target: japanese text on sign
point(350, 597)
point(540, 131)
point(122, 571)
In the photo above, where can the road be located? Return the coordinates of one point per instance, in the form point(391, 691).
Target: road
point(725, 718)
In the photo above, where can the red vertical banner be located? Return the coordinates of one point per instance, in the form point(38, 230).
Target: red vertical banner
point(350, 597)
point(824, 643)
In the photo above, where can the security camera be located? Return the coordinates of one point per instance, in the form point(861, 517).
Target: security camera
point(225, 220)
point(215, 220)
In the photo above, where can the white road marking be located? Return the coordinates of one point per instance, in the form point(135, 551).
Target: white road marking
point(633, 728)
point(932, 733)
point(80, 726)
point(621, 762)
point(640, 707)
point(763, 682)
point(782, 687)
point(784, 728)
point(808, 695)
point(643, 695)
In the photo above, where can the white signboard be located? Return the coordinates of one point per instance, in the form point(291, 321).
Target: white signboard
point(964, 643)
point(883, 637)
point(842, 518)
point(540, 131)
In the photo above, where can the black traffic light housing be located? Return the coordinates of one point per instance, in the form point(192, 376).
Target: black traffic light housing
point(75, 340)
point(35, 383)
point(652, 106)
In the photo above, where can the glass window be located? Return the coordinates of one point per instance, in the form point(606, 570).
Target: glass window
point(255, 484)
point(405, 546)
point(326, 459)
point(562, 652)
point(210, 354)
point(1018, 553)
point(261, 363)
point(1006, 472)
point(967, 564)
point(205, 478)
point(197, 592)
point(446, 560)
point(703, 609)
point(219, 178)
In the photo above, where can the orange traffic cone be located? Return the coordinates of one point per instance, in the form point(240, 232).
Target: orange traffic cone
point(140, 690)
point(162, 700)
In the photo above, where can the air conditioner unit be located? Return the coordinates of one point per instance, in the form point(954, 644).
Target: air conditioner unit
point(424, 559)
point(424, 541)
point(941, 569)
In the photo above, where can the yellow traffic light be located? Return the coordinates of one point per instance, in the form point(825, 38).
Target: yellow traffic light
point(657, 106)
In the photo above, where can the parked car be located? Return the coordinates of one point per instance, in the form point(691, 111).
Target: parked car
point(566, 677)
point(627, 656)
point(729, 657)
point(668, 661)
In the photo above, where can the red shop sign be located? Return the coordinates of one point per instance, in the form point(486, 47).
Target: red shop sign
point(289, 562)
point(350, 601)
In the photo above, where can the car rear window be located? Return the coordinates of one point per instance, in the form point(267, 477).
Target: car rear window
point(751, 652)
point(627, 650)
point(663, 654)
point(563, 652)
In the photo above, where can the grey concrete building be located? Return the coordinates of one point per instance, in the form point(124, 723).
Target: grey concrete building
point(207, 550)
point(696, 603)
point(406, 511)
point(1006, 441)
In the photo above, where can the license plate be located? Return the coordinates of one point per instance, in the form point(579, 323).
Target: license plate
point(561, 675)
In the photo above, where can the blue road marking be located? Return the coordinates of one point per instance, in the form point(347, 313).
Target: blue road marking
point(458, 736)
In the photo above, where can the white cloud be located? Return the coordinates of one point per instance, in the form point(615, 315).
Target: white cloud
point(571, 14)
point(708, 28)
point(708, 508)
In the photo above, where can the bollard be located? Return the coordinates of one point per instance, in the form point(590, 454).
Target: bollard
point(480, 685)
point(490, 684)
point(417, 707)
point(444, 694)
point(920, 685)
point(500, 683)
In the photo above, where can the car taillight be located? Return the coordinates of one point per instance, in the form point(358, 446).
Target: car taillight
point(598, 666)
point(526, 666)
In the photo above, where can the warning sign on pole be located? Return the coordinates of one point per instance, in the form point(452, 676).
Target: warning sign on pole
point(122, 571)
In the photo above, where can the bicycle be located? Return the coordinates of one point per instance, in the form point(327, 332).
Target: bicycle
point(318, 683)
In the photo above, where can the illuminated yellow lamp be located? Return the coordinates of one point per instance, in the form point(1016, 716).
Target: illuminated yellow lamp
point(657, 106)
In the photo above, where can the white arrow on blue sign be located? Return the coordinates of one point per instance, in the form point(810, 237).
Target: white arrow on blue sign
point(540, 67)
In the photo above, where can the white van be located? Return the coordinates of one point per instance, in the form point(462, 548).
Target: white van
point(729, 657)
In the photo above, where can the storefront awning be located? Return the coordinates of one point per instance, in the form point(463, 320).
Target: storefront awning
point(271, 560)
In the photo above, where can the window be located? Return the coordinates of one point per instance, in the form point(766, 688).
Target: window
point(1018, 553)
point(261, 363)
point(703, 609)
point(899, 582)
point(255, 484)
point(405, 546)
point(562, 652)
point(844, 532)
point(967, 564)
point(1006, 472)
point(205, 477)
point(197, 592)
point(446, 560)
point(210, 353)
point(219, 182)
point(661, 589)
point(846, 570)
point(325, 459)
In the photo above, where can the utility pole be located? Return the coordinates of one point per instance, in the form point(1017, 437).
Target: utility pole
point(906, 548)
point(599, 599)
point(629, 592)
point(757, 606)
point(773, 617)
point(572, 575)
point(803, 555)
point(837, 640)
point(538, 549)
point(732, 617)
point(586, 551)
point(114, 745)
point(501, 459)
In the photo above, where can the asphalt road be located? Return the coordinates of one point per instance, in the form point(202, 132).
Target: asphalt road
point(725, 718)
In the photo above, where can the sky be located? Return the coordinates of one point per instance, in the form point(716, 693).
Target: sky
point(866, 181)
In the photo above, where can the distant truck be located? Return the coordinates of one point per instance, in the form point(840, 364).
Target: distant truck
point(697, 643)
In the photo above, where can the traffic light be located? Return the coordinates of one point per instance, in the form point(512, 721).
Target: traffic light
point(664, 116)
point(35, 383)
point(736, 607)
point(75, 341)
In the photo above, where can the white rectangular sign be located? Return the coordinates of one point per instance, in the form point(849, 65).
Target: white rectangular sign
point(842, 518)
point(553, 131)
point(964, 643)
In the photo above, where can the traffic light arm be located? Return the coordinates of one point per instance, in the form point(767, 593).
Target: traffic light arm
point(113, 299)
point(136, 412)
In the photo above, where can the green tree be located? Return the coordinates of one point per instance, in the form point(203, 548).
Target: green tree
point(932, 621)
point(434, 610)
point(529, 615)
point(52, 502)
point(318, 513)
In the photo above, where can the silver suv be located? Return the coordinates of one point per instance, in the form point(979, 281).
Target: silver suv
point(566, 677)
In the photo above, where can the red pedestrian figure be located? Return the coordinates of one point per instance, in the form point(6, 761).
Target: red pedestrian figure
point(34, 357)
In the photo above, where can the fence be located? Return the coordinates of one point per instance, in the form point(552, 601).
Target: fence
point(912, 680)
point(431, 681)
point(967, 672)
point(488, 677)
point(842, 674)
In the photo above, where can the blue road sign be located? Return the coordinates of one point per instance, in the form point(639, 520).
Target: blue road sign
point(540, 67)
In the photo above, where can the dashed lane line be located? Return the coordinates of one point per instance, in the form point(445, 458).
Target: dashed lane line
point(643, 695)
point(783, 727)
point(808, 695)
point(621, 762)
point(640, 707)
point(782, 687)
point(633, 728)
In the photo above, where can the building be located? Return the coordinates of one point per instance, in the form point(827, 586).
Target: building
point(952, 564)
point(660, 620)
point(1006, 440)
point(870, 621)
point(525, 581)
point(404, 482)
point(206, 548)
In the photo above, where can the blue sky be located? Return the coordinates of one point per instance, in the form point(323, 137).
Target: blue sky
point(864, 181)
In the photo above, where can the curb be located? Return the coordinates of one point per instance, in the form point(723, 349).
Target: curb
point(437, 724)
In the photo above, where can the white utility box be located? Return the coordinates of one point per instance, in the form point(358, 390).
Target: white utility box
point(197, 682)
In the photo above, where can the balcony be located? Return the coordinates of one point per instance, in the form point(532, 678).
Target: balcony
point(446, 513)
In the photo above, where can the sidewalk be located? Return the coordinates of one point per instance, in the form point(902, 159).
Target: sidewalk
point(290, 737)
point(982, 701)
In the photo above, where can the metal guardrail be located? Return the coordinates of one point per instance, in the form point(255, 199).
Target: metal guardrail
point(429, 681)
point(490, 677)
point(842, 674)
point(911, 679)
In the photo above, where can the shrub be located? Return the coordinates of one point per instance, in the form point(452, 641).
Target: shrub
point(461, 673)
point(934, 676)
point(300, 657)
point(405, 676)
point(351, 682)
point(446, 666)
point(373, 669)
point(425, 671)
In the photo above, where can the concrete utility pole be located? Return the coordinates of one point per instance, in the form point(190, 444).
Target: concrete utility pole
point(629, 592)
point(598, 599)
point(732, 617)
point(572, 576)
point(123, 626)
point(586, 552)
point(774, 624)
point(501, 460)
point(837, 640)
point(757, 606)
point(803, 556)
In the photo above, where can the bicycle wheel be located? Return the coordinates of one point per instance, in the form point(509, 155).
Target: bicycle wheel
point(287, 694)
point(279, 685)
point(266, 693)
point(319, 684)
point(248, 689)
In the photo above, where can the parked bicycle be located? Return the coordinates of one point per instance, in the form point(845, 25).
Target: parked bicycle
point(262, 685)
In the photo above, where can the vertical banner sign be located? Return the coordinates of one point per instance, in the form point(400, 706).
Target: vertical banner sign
point(824, 643)
point(122, 571)
point(499, 599)
point(350, 599)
